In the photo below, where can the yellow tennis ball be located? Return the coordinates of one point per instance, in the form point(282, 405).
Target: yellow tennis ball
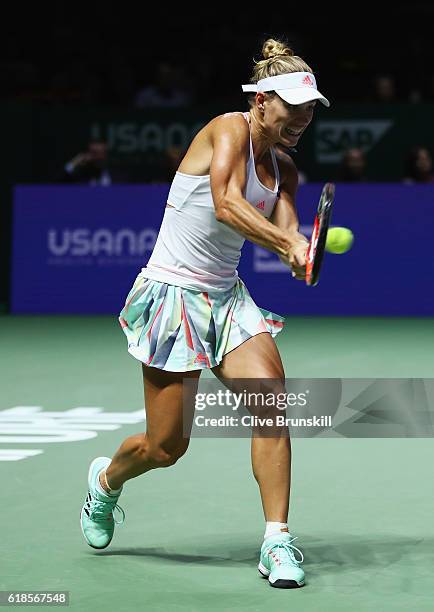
point(339, 240)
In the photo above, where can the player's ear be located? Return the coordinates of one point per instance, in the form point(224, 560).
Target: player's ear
point(260, 99)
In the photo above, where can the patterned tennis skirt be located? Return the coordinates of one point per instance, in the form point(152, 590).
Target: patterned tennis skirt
point(177, 329)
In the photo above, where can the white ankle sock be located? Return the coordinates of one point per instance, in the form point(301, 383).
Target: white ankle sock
point(272, 528)
point(102, 490)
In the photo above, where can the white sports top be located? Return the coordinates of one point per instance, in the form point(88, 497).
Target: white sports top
point(194, 250)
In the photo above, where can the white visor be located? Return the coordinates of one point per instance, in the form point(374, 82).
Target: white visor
point(294, 87)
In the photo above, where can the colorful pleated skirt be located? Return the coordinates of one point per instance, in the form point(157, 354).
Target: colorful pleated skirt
point(178, 330)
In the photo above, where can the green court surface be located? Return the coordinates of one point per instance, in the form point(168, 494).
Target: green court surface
point(362, 508)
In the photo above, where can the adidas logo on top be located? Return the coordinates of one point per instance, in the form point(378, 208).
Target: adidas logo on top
point(261, 205)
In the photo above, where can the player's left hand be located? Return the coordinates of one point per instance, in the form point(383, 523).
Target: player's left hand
point(299, 273)
point(297, 259)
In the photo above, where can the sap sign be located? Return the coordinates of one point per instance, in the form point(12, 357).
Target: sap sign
point(335, 137)
point(79, 249)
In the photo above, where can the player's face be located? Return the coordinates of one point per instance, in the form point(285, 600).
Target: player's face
point(287, 122)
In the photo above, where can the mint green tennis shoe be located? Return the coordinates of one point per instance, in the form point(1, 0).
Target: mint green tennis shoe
point(97, 514)
point(279, 564)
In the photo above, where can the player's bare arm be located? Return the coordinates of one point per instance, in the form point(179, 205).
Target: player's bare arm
point(228, 180)
point(285, 215)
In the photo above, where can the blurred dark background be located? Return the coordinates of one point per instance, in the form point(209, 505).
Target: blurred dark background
point(106, 57)
point(98, 95)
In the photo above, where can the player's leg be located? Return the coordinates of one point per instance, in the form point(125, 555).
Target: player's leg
point(169, 417)
point(258, 358)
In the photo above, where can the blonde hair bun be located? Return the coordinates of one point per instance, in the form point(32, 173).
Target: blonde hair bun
point(278, 59)
point(274, 48)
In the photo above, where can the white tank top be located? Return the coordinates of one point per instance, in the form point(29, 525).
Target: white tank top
point(194, 250)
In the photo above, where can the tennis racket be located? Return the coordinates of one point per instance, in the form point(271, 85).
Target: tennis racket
point(315, 251)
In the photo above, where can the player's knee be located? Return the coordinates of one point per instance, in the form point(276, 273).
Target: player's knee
point(166, 455)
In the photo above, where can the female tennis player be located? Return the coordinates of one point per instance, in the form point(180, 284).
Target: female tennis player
point(188, 310)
